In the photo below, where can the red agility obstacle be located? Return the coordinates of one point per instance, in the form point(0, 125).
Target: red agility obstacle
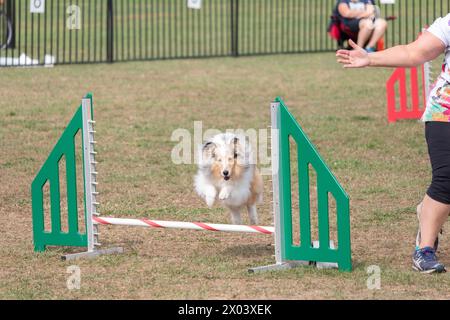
point(414, 107)
point(418, 98)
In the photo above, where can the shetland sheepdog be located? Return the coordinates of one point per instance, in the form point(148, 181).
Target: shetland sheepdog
point(227, 171)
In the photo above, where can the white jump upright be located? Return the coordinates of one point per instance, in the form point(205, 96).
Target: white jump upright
point(90, 187)
point(280, 263)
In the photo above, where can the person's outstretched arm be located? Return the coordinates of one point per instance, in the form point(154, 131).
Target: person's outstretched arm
point(426, 48)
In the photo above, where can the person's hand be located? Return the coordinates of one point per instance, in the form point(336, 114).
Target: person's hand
point(356, 58)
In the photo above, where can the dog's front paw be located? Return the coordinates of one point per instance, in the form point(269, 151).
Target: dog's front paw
point(224, 194)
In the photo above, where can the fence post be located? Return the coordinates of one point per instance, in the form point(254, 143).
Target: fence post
point(234, 27)
point(110, 33)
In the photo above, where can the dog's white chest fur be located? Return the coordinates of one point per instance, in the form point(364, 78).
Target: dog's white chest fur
point(226, 173)
point(230, 193)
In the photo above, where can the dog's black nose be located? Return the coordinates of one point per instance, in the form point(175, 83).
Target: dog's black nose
point(225, 172)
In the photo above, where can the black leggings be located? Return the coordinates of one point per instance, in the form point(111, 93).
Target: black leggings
point(438, 139)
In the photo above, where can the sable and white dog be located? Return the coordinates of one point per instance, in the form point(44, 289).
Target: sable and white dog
point(227, 170)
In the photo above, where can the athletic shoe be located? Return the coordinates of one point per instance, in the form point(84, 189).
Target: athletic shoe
point(370, 49)
point(425, 261)
point(418, 238)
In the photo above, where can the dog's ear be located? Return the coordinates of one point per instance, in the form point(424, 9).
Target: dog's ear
point(239, 145)
point(242, 149)
point(209, 149)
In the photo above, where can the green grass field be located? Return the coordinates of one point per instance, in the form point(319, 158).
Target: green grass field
point(384, 168)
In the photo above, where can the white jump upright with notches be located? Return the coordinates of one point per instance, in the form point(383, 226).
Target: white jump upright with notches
point(90, 187)
point(274, 145)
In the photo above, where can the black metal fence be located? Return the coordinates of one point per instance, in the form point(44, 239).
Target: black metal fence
point(89, 31)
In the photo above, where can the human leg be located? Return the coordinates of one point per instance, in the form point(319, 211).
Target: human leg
point(366, 28)
point(379, 28)
point(435, 207)
point(433, 215)
point(436, 203)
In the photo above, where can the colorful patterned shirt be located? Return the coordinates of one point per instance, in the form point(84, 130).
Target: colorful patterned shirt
point(438, 103)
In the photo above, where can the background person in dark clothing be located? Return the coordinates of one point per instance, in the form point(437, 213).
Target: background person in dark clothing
point(361, 18)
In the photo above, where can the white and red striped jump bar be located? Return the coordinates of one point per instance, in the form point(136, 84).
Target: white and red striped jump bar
point(183, 225)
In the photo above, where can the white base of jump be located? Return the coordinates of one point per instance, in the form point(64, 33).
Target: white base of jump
point(92, 254)
point(279, 266)
point(294, 264)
